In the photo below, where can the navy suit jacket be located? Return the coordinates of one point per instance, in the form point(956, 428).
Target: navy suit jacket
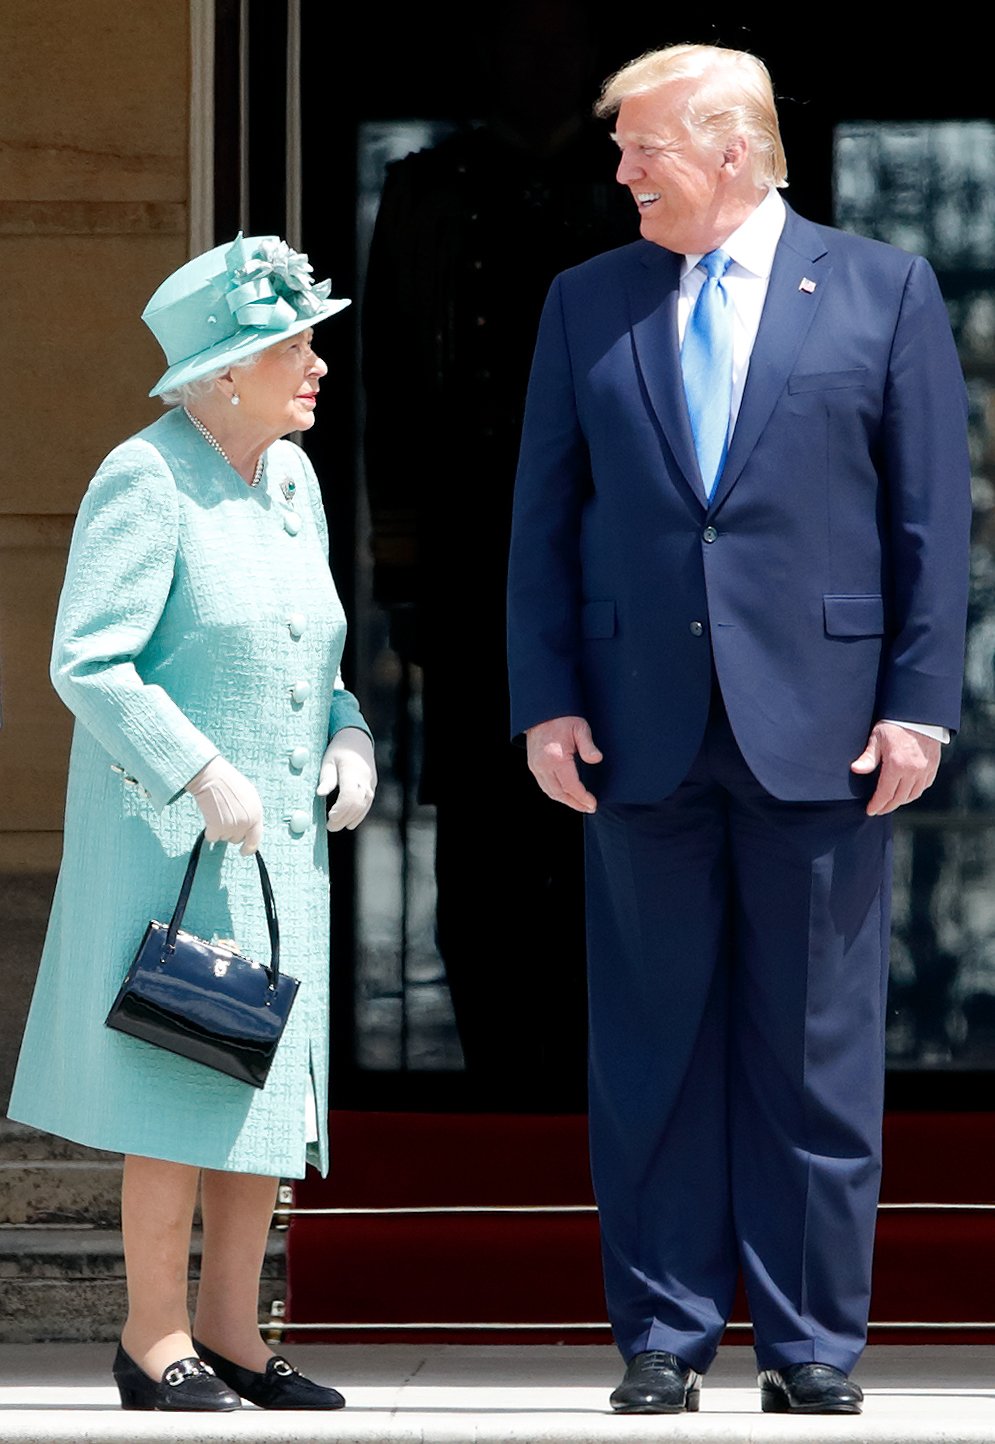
point(826, 580)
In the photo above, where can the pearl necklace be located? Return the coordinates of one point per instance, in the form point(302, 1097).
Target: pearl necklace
point(213, 441)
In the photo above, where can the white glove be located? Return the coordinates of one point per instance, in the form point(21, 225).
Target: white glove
point(230, 804)
point(348, 765)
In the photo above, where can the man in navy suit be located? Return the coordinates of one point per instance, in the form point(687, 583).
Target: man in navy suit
point(754, 663)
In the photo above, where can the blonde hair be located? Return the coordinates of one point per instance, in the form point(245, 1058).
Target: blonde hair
point(734, 97)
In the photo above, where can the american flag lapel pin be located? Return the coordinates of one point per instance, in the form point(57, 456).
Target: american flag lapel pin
point(806, 285)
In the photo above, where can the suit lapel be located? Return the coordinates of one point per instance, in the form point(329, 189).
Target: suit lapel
point(788, 313)
point(653, 284)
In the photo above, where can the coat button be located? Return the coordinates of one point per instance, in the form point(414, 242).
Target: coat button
point(296, 622)
point(709, 534)
point(299, 820)
point(299, 757)
point(301, 691)
point(696, 629)
point(291, 522)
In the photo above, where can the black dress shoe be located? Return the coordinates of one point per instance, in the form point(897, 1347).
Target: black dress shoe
point(280, 1386)
point(657, 1383)
point(186, 1385)
point(808, 1389)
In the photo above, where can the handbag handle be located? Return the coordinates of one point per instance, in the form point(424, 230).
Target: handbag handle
point(175, 922)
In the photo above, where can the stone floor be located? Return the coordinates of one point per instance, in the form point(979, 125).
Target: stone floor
point(409, 1394)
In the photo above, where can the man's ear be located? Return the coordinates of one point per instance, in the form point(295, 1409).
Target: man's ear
point(735, 153)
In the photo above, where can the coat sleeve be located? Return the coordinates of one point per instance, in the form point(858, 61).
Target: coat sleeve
point(345, 710)
point(118, 578)
point(929, 489)
point(544, 586)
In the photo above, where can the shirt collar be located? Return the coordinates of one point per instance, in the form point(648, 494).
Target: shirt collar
point(753, 243)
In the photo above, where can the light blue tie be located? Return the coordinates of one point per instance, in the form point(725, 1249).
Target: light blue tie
point(706, 360)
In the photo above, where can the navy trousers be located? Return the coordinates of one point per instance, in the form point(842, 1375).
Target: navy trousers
point(738, 959)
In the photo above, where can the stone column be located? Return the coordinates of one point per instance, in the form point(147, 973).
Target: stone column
point(94, 190)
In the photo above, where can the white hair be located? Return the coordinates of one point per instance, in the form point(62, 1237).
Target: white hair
point(192, 391)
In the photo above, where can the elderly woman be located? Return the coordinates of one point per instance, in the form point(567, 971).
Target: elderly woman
point(198, 644)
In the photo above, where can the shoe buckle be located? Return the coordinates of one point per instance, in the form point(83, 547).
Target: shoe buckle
point(185, 1369)
point(280, 1366)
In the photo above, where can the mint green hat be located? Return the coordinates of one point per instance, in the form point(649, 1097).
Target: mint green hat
point(231, 302)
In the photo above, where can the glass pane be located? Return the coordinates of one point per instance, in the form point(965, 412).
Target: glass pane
point(471, 881)
point(404, 1017)
point(930, 187)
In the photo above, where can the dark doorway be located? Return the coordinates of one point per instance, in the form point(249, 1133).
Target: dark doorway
point(887, 131)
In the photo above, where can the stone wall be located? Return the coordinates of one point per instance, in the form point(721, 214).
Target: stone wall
point(94, 187)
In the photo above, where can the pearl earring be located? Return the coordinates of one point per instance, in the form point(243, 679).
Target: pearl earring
point(235, 400)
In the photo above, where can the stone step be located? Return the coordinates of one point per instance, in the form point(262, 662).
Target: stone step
point(19, 1143)
point(42, 1253)
point(525, 1394)
point(51, 1252)
point(61, 1191)
point(61, 1262)
point(68, 1285)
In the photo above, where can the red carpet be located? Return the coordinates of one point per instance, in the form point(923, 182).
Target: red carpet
point(544, 1268)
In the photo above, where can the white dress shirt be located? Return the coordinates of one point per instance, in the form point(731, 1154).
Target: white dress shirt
point(751, 248)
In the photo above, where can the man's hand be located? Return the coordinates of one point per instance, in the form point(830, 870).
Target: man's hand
point(552, 748)
point(908, 762)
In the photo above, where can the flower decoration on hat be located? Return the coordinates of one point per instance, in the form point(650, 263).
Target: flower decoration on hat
point(272, 288)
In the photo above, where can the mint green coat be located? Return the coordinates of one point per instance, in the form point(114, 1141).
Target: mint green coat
point(198, 617)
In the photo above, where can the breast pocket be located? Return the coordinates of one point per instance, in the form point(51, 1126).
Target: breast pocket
point(826, 380)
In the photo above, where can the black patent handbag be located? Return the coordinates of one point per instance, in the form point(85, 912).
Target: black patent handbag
point(204, 1000)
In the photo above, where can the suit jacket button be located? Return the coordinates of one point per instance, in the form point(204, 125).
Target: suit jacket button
point(709, 534)
point(696, 629)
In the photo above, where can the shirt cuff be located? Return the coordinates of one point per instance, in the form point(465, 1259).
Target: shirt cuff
point(939, 734)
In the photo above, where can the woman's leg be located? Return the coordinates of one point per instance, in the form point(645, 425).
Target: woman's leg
point(237, 1210)
point(157, 1203)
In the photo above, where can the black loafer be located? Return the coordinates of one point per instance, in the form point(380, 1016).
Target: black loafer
point(657, 1383)
point(280, 1386)
point(808, 1389)
point(185, 1386)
